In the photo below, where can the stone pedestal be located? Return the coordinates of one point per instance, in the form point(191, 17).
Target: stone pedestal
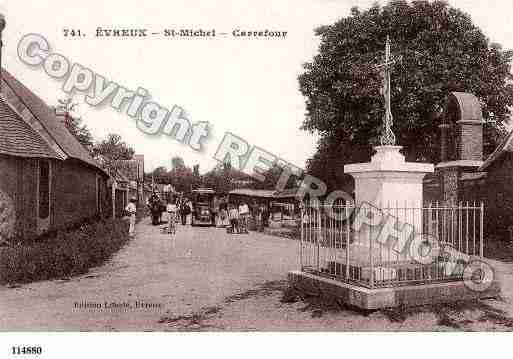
point(388, 181)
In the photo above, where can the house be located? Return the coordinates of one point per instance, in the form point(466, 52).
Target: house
point(494, 184)
point(133, 170)
point(48, 180)
point(119, 189)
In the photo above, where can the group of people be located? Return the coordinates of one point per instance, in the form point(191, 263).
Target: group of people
point(240, 214)
point(234, 216)
point(157, 206)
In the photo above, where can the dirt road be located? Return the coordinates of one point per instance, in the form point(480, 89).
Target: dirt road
point(205, 279)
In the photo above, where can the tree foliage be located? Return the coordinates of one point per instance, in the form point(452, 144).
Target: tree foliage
point(180, 176)
point(441, 50)
point(112, 149)
point(272, 178)
point(223, 178)
point(177, 162)
point(80, 131)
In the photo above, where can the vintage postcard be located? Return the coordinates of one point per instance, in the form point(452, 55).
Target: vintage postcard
point(255, 166)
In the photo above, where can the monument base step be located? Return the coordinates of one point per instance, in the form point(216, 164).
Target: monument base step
point(378, 298)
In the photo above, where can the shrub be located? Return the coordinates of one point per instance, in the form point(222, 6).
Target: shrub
point(65, 254)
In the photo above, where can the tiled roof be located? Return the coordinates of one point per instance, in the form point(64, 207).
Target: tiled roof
point(505, 146)
point(46, 116)
point(287, 193)
point(17, 138)
point(264, 193)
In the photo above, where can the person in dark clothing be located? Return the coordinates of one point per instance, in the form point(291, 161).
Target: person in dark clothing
point(155, 208)
point(265, 216)
point(185, 210)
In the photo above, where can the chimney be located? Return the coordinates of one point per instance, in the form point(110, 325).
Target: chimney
point(61, 115)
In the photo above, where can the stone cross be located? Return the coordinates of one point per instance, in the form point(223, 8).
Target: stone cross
point(387, 137)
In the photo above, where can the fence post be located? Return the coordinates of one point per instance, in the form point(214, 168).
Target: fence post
point(114, 199)
point(347, 242)
point(371, 257)
point(301, 223)
point(466, 230)
point(481, 245)
point(319, 236)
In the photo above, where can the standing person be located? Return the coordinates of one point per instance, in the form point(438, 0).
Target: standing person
point(260, 221)
point(265, 216)
point(214, 210)
point(233, 215)
point(223, 211)
point(190, 211)
point(244, 215)
point(254, 213)
point(131, 210)
point(184, 211)
point(155, 208)
point(171, 210)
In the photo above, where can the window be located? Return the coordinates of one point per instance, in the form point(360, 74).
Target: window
point(44, 189)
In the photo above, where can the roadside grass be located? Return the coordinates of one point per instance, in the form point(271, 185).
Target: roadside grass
point(63, 255)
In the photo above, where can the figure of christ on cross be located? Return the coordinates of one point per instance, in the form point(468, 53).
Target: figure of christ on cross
point(387, 137)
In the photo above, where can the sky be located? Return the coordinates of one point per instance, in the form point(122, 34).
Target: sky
point(245, 86)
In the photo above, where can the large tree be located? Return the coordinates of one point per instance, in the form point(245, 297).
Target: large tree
point(112, 149)
point(441, 51)
point(272, 179)
point(73, 123)
point(80, 131)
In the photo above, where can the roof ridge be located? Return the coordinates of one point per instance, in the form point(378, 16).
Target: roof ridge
point(48, 120)
point(19, 138)
point(22, 100)
point(497, 152)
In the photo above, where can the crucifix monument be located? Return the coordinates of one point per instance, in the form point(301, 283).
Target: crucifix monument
point(388, 180)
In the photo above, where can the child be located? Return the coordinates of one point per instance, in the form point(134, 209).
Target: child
point(233, 215)
point(131, 210)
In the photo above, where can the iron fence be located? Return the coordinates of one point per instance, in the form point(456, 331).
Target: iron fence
point(374, 247)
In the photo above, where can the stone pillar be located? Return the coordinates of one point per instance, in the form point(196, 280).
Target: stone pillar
point(114, 184)
point(444, 141)
point(470, 140)
point(389, 181)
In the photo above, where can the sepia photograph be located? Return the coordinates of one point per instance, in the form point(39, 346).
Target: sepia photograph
point(276, 167)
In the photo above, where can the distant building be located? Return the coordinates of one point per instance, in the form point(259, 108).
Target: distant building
point(48, 179)
point(133, 170)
